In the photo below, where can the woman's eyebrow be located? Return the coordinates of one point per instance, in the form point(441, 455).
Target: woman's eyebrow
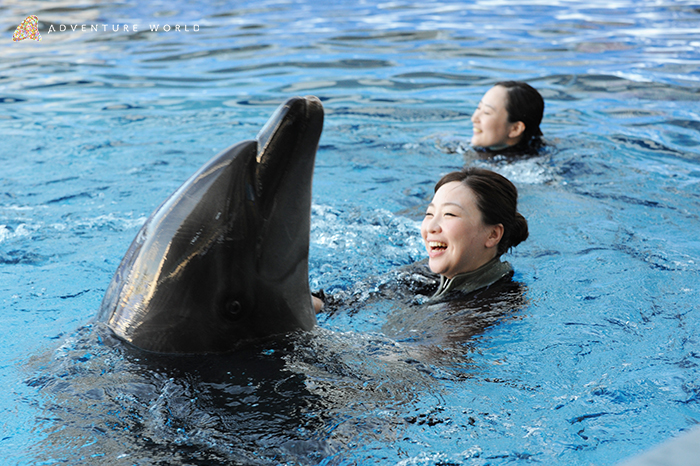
point(453, 204)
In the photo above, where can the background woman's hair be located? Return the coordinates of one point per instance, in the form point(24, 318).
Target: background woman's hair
point(524, 104)
point(496, 199)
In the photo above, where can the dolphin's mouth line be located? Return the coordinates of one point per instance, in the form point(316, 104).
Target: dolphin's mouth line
point(265, 134)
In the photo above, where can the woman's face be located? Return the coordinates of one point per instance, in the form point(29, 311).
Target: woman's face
point(455, 236)
point(491, 126)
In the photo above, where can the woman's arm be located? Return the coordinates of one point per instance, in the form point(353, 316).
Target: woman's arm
point(318, 304)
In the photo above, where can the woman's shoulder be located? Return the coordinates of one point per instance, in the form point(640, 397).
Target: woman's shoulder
point(418, 279)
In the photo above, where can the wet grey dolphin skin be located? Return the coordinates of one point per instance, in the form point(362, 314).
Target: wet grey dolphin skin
point(224, 260)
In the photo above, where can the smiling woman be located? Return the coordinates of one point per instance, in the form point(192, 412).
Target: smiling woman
point(471, 221)
point(508, 118)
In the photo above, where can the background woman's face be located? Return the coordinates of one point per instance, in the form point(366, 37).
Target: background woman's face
point(490, 119)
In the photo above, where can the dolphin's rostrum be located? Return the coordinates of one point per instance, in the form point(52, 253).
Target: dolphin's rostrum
point(224, 260)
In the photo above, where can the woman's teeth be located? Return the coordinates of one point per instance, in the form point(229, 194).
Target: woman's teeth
point(437, 245)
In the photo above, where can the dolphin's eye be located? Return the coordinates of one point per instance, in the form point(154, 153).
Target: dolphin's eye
point(233, 310)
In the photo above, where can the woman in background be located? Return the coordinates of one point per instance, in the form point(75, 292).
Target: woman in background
point(507, 119)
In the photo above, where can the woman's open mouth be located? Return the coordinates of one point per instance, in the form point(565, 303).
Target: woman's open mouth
point(436, 246)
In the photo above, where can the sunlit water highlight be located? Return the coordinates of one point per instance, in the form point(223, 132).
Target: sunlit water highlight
point(96, 129)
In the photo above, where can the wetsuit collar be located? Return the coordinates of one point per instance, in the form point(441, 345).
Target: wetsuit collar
point(467, 282)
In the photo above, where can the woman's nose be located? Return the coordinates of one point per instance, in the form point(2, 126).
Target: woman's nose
point(475, 116)
point(433, 224)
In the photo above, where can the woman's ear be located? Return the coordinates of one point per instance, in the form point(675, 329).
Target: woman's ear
point(517, 129)
point(494, 236)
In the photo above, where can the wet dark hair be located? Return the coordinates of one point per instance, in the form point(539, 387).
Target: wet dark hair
point(496, 199)
point(527, 105)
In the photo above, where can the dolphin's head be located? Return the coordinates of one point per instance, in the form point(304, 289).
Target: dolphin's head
point(224, 259)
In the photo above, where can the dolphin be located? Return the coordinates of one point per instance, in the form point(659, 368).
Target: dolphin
point(224, 260)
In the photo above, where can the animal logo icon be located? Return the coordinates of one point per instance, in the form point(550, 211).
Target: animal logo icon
point(29, 29)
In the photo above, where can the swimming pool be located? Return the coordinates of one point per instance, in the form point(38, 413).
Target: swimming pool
point(98, 127)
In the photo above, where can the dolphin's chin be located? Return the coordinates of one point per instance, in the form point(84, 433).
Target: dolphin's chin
point(224, 260)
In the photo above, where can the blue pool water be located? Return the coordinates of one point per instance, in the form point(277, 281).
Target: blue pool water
point(97, 128)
